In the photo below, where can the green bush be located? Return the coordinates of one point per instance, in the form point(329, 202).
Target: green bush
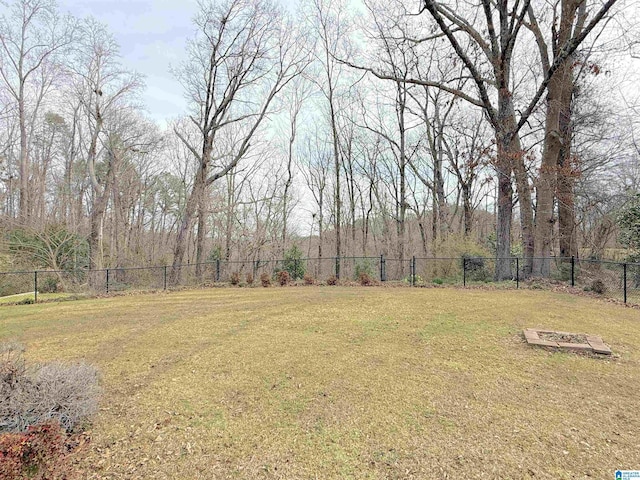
point(363, 267)
point(476, 269)
point(49, 285)
point(293, 263)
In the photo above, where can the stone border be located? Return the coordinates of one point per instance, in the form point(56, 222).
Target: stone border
point(594, 343)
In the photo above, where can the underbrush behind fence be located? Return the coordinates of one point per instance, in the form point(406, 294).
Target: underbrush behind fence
point(601, 277)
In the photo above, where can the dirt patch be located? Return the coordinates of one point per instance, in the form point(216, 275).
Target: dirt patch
point(563, 337)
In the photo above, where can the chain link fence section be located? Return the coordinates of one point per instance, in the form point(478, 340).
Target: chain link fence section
point(607, 278)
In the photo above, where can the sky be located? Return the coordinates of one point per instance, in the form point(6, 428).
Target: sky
point(152, 35)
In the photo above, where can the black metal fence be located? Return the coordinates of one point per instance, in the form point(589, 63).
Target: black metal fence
point(606, 278)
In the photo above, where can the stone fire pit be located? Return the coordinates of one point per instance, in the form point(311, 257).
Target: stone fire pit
point(576, 342)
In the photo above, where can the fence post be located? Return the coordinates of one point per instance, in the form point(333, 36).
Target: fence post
point(217, 269)
point(384, 268)
point(165, 277)
point(338, 267)
point(573, 271)
point(381, 267)
point(107, 280)
point(464, 271)
point(35, 287)
point(413, 271)
point(517, 272)
point(624, 282)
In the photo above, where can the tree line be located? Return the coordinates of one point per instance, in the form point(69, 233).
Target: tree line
point(437, 127)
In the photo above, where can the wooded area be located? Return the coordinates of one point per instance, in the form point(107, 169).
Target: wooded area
point(432, 127)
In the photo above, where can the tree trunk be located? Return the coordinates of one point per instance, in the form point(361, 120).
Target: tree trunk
point(556, 145)
point(23, 205)
point(201, 235)
point(96, 259)
point(187, 224)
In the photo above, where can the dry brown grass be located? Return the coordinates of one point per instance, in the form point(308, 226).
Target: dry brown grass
point(333, 382)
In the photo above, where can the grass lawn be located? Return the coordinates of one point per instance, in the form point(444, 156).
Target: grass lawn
point(20, 297)
point(333, 382)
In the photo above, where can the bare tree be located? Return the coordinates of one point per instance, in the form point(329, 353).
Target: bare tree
point(328, 18)
point(104, 89)
point(32, 35)
point(243, 55)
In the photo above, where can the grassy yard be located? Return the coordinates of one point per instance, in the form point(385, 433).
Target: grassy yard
point(332, 382)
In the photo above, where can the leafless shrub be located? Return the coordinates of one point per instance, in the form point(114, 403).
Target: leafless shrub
point(332, 280)
point(283, 277)
point(598, 287)
point(249, 278)
point(32, 395)
point(265, 279)
point(308, 279)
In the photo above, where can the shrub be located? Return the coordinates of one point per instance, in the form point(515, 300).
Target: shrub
point(563, 273)
point(265, 279)
point(475, 268)
point(363, 267)
point(293, 263)
point(249, 278)
point(598, 287)
point(42, 452)
point(54, 247)
point(450, 250)
point(67, 394)
point(235, 278)
point(438, 281)
point(308, 279)
point(364, 279)
point(49, 285)
point(283, 277)
point(332, 280)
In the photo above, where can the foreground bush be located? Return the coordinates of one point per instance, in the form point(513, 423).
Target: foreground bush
point(40, 408)
point(309, 280)
point(364, 279)
point(249, 278)
point(265, 280)
point(42, 452)
point(67, 394)
point(332, 280)
point(234, 279)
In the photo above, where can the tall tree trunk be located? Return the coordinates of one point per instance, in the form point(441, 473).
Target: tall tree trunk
point(337, 194)
point(186, 225)
point(508, 146)
point(23, 205)
point(467, 209)
point(556, 143)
